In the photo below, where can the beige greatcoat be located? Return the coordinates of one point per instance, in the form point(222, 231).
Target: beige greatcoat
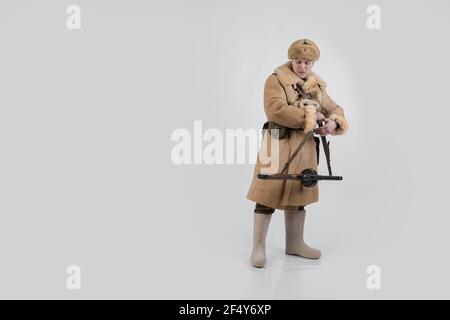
point(282, 106)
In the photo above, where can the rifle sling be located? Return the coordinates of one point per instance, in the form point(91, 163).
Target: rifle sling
point(300, 146)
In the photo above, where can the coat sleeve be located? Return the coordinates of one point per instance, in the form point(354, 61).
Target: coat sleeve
point(334, 112)
point(279, 111)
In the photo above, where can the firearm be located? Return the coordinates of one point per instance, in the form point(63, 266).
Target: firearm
point(307, 177)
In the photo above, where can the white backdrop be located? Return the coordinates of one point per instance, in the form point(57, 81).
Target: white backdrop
point(86, 177)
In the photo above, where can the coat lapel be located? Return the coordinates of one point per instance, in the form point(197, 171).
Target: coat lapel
point(287, 77)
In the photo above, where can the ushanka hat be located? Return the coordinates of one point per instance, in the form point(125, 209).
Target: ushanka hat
point(304, 49)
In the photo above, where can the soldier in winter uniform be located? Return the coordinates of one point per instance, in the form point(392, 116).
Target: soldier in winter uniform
point(294, 116)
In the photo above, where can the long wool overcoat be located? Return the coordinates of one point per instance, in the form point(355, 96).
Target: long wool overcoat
point(282, 105)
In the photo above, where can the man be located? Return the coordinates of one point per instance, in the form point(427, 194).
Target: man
point(295, 99)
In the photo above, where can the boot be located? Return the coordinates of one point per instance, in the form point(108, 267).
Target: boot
point(260, 228)
point(294, 223)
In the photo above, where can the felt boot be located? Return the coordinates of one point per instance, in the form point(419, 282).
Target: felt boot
point(260, 227)
point(295, 245)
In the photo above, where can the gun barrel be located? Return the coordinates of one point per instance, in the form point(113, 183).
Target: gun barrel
point(279, 176)
point(319, 177)
point(301, 177)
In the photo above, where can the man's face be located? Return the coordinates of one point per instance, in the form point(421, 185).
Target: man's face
point(302, 67)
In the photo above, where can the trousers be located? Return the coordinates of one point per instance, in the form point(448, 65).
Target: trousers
point(259, 208)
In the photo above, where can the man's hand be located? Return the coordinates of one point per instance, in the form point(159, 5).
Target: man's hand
point(319, 116)
point(327, 128)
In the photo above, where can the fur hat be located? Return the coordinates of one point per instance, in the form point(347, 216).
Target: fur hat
point(304, 49)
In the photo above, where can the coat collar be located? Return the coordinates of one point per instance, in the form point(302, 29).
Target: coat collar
point(288, 78)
